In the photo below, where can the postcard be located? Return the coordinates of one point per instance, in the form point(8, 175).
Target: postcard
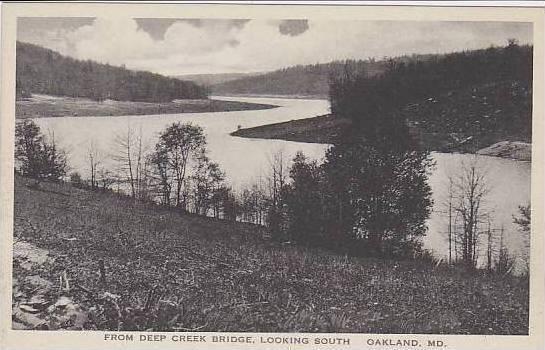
point(280, 176)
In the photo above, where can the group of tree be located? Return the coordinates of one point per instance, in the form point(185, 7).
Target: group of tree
point(38, 155)
point(370, 195)
point(303, 80)
point(474, 239)
point(43, 71)
point(175, 172)
point(488, 89)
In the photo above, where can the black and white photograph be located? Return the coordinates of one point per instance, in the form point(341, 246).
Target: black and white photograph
point(283, 175)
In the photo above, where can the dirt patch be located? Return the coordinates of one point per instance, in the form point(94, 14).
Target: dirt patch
point(509, 149)
point(28, 255)
point(37, 302)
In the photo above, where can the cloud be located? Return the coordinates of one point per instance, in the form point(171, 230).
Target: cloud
point(293, 27)
point(157, 27)
point(220, 45)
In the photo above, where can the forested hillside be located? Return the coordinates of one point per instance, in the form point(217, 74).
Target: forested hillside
point(461, 101)
point(300, 80)
point(306, 80)
point(214, 79)
point(43, 71)
point(475, 94)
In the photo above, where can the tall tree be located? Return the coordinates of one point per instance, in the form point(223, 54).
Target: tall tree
point(93, 154)
point(380, 198)
point(180, 143)
point(470, 191)
point(304, 199)
point(130, 154)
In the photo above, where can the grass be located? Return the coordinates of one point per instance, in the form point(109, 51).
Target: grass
point(165, 271)
point(44, 106)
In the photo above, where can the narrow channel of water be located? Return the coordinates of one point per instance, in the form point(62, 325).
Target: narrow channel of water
point(244, 160)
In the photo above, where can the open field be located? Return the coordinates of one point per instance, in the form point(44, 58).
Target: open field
point(40, 106)
point(99, 261)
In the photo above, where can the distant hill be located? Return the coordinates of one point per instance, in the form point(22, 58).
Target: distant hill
point(214, 79)
point(304, 80)
point(463, 101)
point(44, 71)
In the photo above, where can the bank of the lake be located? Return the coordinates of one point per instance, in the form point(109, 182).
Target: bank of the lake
point(244, 160)
point(167, 271)
point(326, 129)
point(46, 106)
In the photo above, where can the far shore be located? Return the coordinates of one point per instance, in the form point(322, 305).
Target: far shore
point(46, 106)
point(326, 129)
point(293, 97)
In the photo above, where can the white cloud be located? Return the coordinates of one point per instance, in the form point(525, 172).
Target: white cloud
point(217, 46)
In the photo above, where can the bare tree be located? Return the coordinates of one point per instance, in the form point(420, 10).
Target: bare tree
point(469, 192)
point(278, 176)
point(130, 155)
point(93, 154)
point(449, 207)
point(124, 148)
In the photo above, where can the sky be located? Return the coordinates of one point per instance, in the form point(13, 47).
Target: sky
point(200, 46)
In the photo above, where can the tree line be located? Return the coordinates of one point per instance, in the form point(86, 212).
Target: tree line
point(370, 196)
point(43, 71)
point(501, 74)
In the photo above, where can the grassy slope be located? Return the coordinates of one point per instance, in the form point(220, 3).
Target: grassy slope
point(218, 276)
point(40, 106)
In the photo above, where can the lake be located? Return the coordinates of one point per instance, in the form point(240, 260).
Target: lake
point(244, 160)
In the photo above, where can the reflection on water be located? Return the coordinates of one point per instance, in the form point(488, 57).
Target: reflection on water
point(246, 159)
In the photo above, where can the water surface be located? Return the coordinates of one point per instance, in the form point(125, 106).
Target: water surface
point(244, 160)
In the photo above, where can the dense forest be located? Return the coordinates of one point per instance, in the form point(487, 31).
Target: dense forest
point(297, 80)
point(214, 78)
point(306, 80)
point(43, 71)
point(477, 92)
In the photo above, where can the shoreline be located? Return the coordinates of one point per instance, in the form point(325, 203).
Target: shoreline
point(272, 96)
point(47, 106)
point(324, 129)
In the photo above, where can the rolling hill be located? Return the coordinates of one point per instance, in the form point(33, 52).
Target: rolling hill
point(214, 79)
point(306, 80)
point(44, 71)
point(463, 101)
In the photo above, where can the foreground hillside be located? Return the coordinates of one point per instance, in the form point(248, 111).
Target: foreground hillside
point(99, 261)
